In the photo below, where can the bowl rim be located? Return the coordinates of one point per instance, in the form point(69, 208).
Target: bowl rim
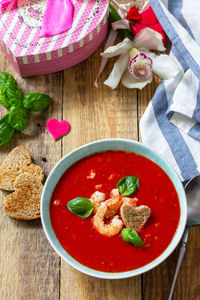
point(46, 197)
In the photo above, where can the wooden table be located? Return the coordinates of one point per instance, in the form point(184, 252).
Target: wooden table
point(29, 267)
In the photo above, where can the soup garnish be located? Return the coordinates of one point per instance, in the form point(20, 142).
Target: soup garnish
point(130, 216)
point(128, 185)
point(130, 236)
point(81, 207)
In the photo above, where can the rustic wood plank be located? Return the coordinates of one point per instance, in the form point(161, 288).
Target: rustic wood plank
point(188, 284)
point(96, 114)
point(157, 283)
point(29, 268)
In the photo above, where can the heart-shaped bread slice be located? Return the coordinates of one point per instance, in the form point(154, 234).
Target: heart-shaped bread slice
point(24, 203)
point(135, 217)
point(17, 162)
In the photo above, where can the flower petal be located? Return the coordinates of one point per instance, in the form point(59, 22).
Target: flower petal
point(121, 24)
point(148, 17)
point(119, 67)
point(118, 49)
point(164, 66)
point(132, 83)
point(140, 66)
point(125, 7)
point(149, 39)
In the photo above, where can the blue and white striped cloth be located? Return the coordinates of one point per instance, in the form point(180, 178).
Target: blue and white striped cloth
point(171, 122)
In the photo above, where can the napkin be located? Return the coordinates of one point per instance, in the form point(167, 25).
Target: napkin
point(171, 122)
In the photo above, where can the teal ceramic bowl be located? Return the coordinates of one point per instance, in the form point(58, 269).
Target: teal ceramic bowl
point(98, 146)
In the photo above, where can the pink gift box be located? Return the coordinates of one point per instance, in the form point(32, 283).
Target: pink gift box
point(20, 24)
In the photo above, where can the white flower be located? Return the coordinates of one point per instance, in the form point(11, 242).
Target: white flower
point(136, 64)
point(140, 65)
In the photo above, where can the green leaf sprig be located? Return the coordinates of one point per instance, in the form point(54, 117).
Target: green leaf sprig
point(12, 98)
point(81, 207)
point(113, 17)
point(130, 236)
point(128, 185)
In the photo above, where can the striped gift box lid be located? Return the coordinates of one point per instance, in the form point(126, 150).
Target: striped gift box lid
point(20, 24)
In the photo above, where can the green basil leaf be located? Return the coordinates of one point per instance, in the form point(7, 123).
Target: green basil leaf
point(130, 236)
point(3, 97)
point(128, 185)
point(80, 206)
point(13, 91)
point(10, 93)
point(6, 131)
point(36, 101)
point(17, 118)
point(5, 77)
point(14, 101)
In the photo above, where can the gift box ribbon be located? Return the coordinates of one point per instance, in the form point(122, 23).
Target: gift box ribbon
point(58, 16)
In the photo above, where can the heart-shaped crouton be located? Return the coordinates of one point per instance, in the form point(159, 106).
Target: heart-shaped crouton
point(17, 162)
point(24, 203)
point(134, 217)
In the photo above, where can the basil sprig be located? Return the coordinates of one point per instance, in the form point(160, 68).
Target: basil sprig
point(81, 207)
point(12, 98)
point(130, 236)
point(128, 185)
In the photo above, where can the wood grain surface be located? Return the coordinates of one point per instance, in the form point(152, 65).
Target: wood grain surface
point(29, 267)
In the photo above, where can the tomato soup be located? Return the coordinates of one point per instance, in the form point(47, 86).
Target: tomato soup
point(112, 254)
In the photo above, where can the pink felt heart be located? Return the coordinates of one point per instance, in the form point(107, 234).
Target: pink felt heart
point(57, 128)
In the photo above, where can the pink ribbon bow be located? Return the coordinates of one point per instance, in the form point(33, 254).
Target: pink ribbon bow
point(58, 16)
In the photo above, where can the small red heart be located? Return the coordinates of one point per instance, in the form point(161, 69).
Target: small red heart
point(57, 128)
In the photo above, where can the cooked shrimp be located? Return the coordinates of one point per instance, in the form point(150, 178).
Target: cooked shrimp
point(114, 193)
point(96, 198)
point(111, 229)
point(131, 201)
point(113, 205)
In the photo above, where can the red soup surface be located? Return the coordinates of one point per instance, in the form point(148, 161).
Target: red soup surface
point(112, 254)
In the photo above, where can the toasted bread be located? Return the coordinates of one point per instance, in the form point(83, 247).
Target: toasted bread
point(134, 217)
point(17, 162)
point(24, 203)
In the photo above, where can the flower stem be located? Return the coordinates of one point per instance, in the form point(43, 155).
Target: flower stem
point(113, 17)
